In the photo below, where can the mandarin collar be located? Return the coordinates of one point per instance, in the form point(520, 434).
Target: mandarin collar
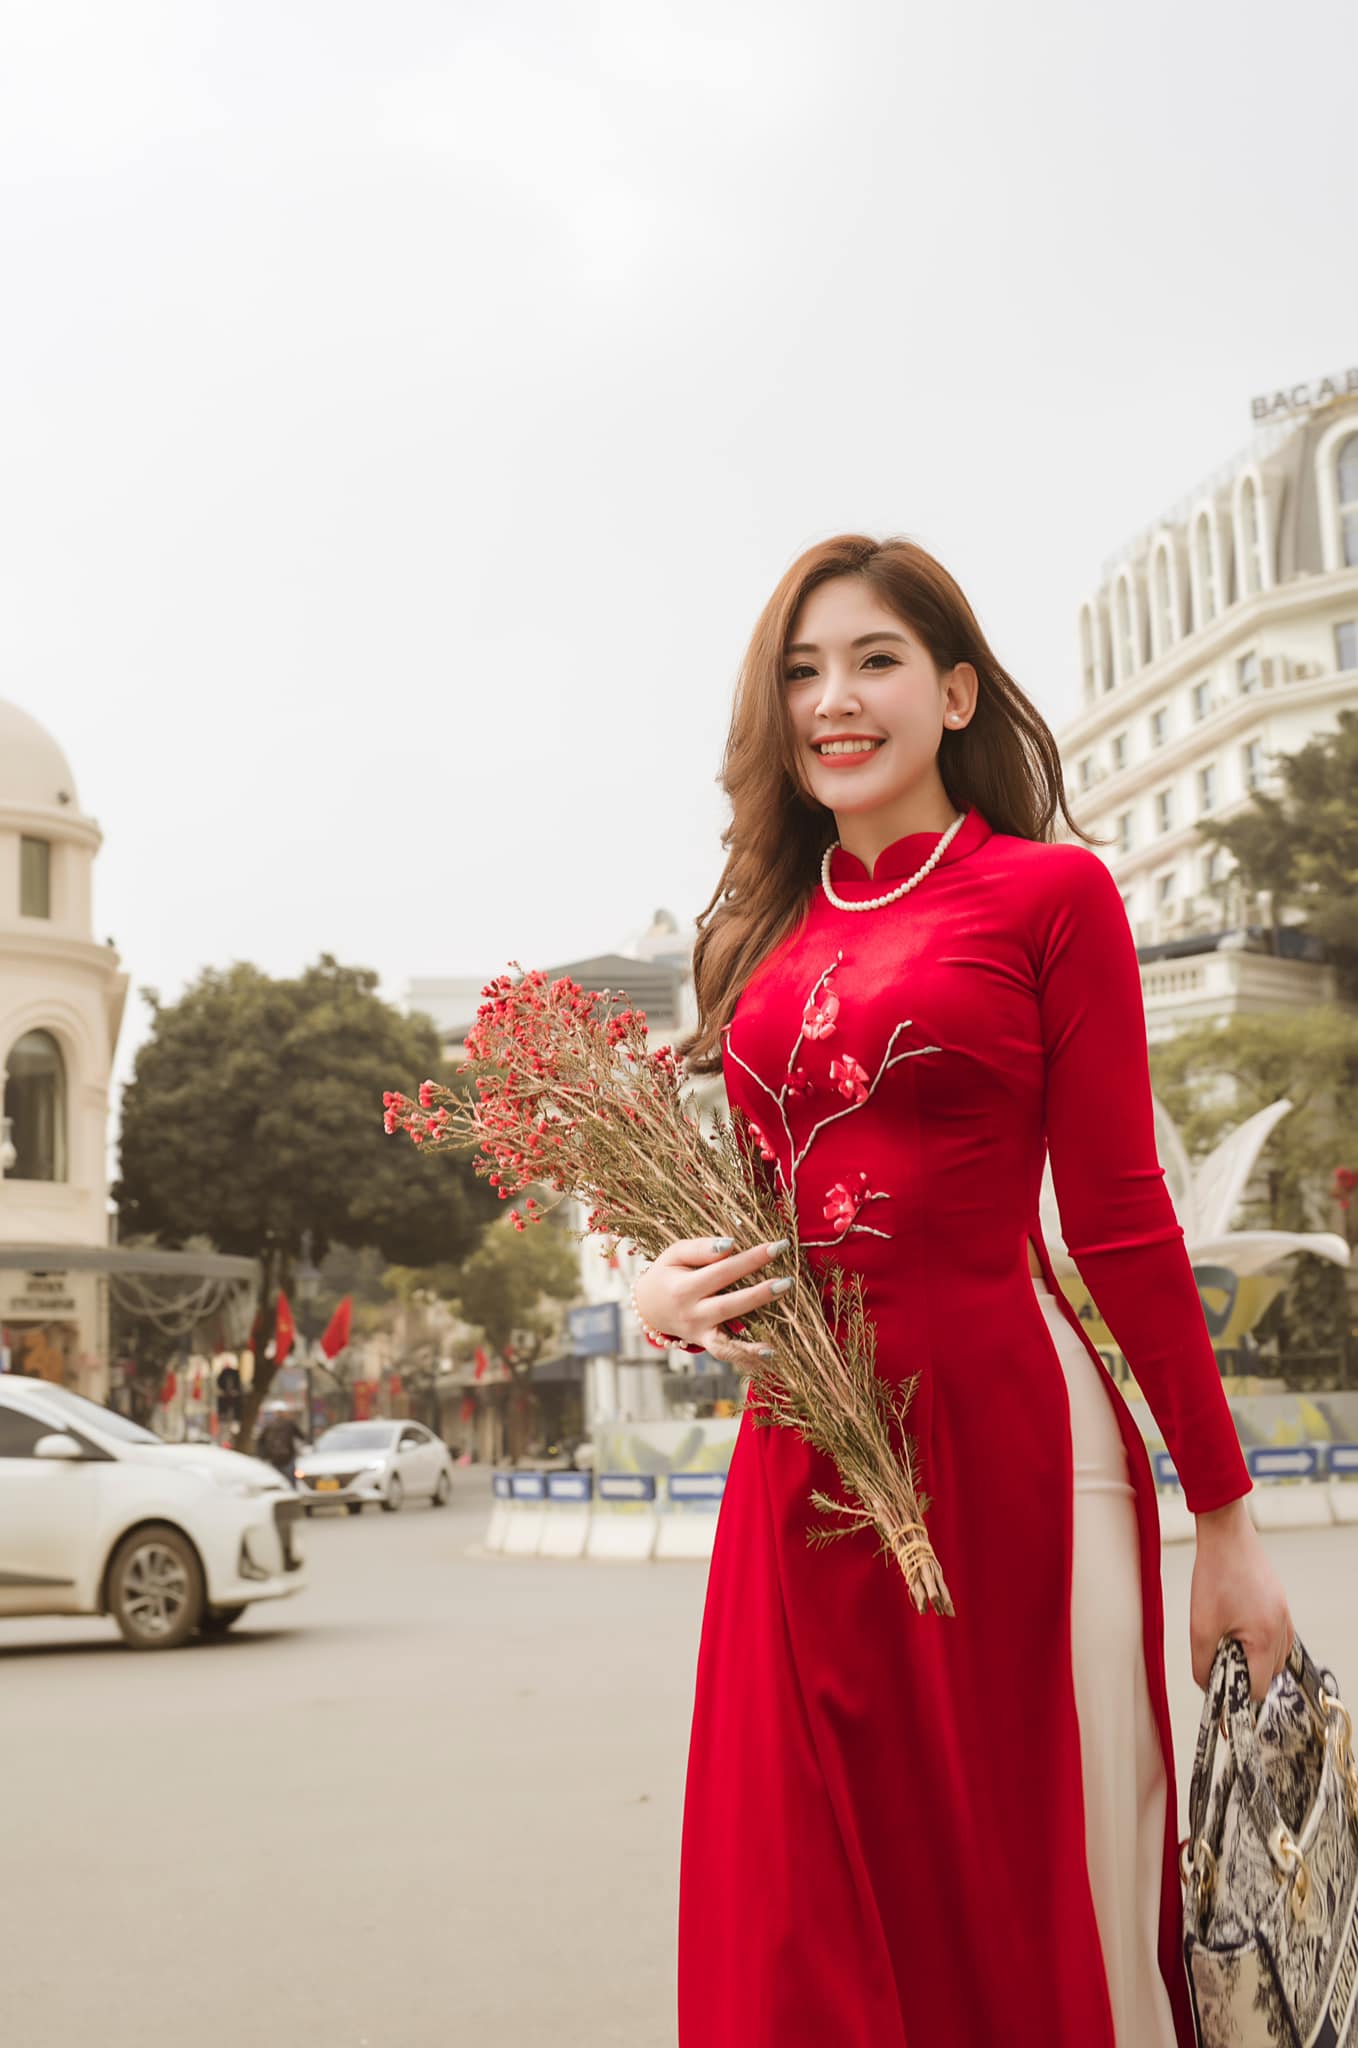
point(901, 858)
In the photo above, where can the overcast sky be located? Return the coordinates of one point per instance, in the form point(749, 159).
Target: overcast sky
point(408, 408)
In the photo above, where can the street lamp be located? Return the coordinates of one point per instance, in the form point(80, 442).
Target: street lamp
point(308, 1279)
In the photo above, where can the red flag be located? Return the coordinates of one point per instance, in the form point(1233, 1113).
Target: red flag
point(284, 1330)
point(482, 1363)
point(337, 1329)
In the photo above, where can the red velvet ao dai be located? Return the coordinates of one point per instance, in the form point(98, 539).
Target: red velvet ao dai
point(883, 1830)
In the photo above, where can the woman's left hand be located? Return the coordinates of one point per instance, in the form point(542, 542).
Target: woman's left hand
point(1236, 1592)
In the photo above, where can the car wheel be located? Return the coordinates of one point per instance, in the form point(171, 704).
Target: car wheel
point(155, 1588)
point(394, 1499)
point(217, 1620)
point(353, 1507)
point(443, 1491)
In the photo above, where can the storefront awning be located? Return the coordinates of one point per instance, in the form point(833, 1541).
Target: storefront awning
point(565, 1369)
point(114, 1258)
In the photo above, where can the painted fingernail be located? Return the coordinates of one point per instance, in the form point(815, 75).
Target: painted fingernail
point(781, 1246)
point(781, 1286)
point(722, 1244)
point(766, 1351)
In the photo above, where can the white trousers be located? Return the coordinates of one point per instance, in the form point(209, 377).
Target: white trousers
point(1124, 1773)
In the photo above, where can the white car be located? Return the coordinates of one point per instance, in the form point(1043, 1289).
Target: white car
point(384, 1462)
point(98, 1516)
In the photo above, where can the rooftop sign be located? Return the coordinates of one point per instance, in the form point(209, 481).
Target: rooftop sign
point(1304, 397)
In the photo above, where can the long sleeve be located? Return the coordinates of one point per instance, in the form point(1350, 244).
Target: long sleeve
point(1116, 1212)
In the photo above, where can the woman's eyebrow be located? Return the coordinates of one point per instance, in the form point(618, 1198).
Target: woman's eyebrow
point(810, 647)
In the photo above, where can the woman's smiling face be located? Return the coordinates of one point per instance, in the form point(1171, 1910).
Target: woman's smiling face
point(852, 667)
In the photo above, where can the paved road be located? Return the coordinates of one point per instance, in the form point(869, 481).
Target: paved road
point(432, 1803)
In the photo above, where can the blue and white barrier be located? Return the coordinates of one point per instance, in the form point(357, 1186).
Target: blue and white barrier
point(570, 1496)
point(1286, 1495)
point(623, 1525)
point(631, 1516)
point(528, 1514)
point(1283, 1461)
point(688, 1529)
point(634, 1516)
point(501, 1495)
point(1297, 1486)
point(1342, 1465)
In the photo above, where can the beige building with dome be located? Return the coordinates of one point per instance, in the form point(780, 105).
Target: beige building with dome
point(61, 1008)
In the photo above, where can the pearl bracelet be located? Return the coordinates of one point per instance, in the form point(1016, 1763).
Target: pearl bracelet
point(658, 1338)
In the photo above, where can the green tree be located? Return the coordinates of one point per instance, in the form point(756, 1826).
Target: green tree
point(255, 1113)
point(512, 1288)
point(1309, 1057)
point(1301, 847)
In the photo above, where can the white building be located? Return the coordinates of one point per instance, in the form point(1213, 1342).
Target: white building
point(61, 1006)
point(1225, 636)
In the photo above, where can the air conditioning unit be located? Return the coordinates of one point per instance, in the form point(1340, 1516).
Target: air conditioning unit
point(1303, 671)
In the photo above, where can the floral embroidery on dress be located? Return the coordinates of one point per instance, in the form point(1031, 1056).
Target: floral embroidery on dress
point(842, 1203)
point(849, 1078)
point(767, 1150)
point(819, 1018)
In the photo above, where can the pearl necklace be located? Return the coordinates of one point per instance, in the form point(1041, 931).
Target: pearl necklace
point(903, 888)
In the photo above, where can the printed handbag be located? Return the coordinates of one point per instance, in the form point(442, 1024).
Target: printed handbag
point(1270, 1865)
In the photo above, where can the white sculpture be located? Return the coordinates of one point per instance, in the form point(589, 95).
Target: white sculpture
point(1205, 1198)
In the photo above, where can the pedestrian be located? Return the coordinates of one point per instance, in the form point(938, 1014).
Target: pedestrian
point(278, 1443)
point(905, 1830)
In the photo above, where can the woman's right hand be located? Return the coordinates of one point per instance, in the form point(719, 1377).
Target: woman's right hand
point(680, 1293)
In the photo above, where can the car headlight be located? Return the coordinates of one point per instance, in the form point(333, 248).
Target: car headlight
point(247, 1485)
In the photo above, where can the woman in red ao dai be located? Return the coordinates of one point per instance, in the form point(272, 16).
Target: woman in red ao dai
point(904, 1831)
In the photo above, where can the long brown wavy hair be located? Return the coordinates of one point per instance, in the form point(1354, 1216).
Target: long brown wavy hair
point(1005, 761)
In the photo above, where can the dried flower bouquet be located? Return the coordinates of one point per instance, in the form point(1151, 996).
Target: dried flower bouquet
point(568, 1096)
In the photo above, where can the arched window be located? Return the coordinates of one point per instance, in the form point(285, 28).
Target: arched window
point(1250, 541)
point(1165, 627)
point(1126, 627)
point(35, 1105)
point(1347, 471)
point(1089, 664)
point(1095, 672)
point(1206, 572)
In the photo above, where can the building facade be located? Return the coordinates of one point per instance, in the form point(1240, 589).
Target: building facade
point(1223, 638)
point(61, 1005)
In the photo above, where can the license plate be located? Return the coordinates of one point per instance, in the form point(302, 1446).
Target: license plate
point(327, 1486)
